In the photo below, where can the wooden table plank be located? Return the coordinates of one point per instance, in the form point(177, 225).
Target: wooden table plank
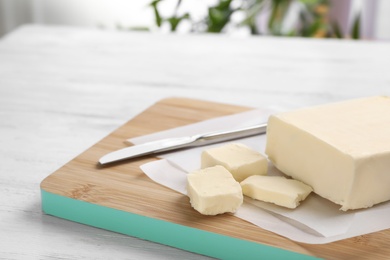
point(62, 89)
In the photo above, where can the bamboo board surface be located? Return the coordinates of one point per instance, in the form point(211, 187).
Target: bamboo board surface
point(123, 186)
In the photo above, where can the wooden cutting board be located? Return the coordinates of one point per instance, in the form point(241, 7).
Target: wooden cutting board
point(121, 198)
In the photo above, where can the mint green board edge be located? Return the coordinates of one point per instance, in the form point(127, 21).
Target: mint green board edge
point(163, 232)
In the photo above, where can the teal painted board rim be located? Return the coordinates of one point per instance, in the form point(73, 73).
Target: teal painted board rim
point(163, 232)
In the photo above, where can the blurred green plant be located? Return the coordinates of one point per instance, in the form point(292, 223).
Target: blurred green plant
point(312, 18)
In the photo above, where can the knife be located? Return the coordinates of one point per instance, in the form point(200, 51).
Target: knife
point(170, 144)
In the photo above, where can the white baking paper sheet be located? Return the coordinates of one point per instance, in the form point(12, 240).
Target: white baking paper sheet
point(315, 221)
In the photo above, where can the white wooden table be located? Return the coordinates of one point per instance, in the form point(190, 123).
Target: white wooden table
point(63, 89)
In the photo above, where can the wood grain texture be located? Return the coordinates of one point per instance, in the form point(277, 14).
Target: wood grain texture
point(62, 89)
point(123, 186)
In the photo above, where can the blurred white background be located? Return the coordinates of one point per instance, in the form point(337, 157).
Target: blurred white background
point(114, 14)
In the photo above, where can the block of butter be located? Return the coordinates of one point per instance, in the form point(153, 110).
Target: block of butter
point(214, 191)
point(240, 160)
point(342, 150)
point(276, 189)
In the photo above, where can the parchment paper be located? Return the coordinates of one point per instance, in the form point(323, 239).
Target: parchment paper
point(315, 221)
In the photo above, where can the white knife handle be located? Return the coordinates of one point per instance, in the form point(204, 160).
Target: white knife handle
point(220, 136)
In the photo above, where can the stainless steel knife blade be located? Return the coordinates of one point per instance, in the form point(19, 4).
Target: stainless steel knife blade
point(170, 144)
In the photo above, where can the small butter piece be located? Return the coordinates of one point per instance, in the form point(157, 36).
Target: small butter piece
point(276, 189)
point(214, 191)
point(341, 150)
point(240, 160)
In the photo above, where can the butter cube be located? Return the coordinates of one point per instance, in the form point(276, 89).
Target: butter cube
point(276, 189)
point(214, 191)
point(341, 150)
point(240, 160)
